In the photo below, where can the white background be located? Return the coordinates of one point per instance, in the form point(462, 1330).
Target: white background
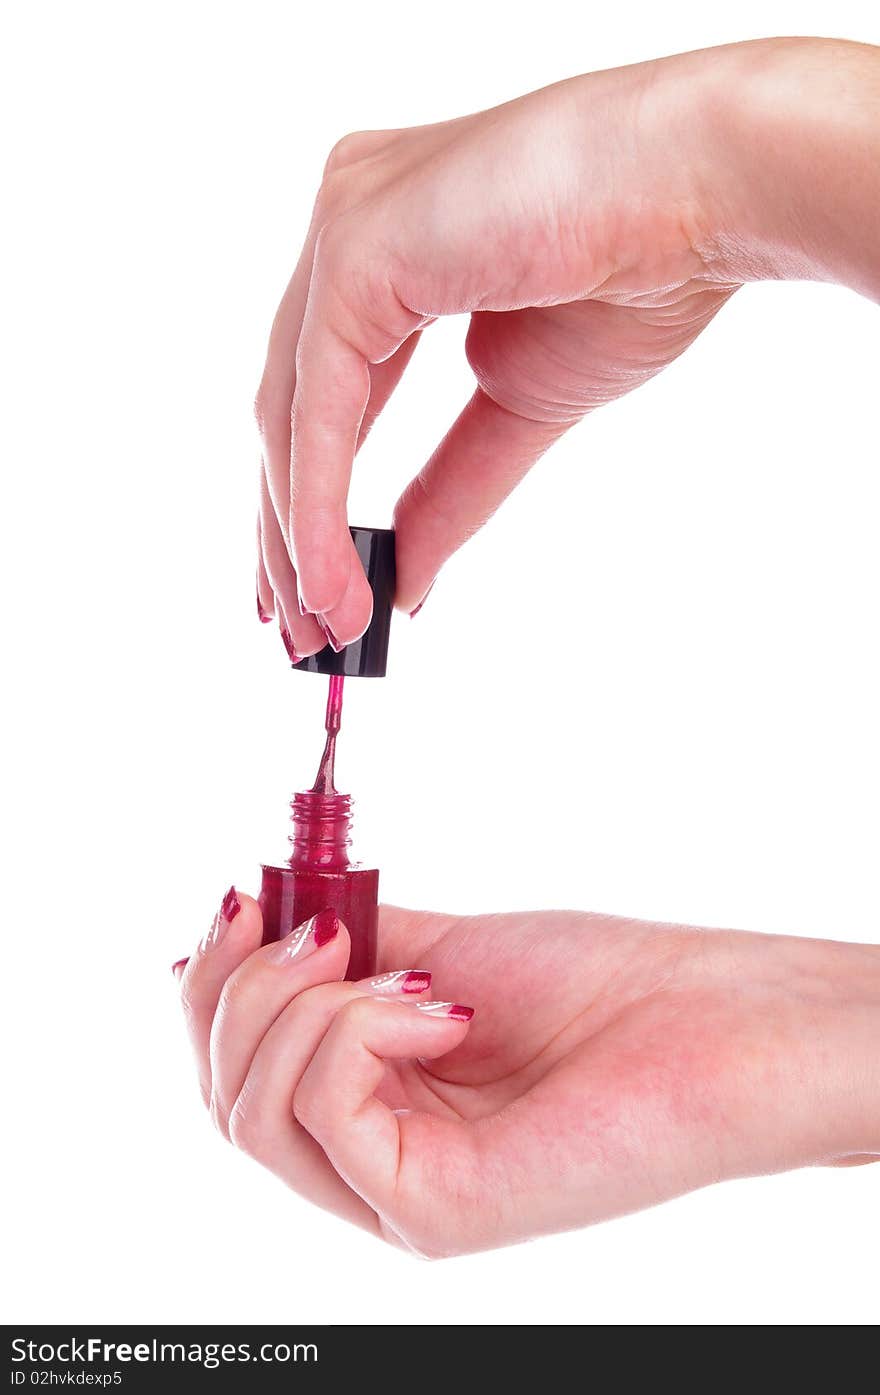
point(695, 567)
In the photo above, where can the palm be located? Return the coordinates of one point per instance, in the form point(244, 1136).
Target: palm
point(555, 363)
point(554, 989)
point(598, 1049)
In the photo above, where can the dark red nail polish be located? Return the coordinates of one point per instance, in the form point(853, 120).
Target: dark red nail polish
point(329, 635)
point(230, 906)
point(414, 613)
point(288, 645)
point(325, 927)
point(264, 618)
point(178, 967)
point(461, 1014)
point(416, 981)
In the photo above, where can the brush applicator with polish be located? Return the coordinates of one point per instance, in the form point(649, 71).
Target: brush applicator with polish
point(319, 874)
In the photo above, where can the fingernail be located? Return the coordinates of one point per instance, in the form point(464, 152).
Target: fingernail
point(264, 618)
point(230, 905)
point(461, 1014)
point(229, 909)
point(329, 635)
point(288, 645)
point(178, 967)
point(414, 613)
point(311, 935)
point(403, 981)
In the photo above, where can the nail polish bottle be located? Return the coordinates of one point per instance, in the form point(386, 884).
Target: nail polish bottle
point(318, 873)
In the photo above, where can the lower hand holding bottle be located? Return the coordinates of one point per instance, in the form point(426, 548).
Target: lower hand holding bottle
point(611, 1064)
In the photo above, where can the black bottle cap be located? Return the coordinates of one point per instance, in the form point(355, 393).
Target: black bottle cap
point(367, 657)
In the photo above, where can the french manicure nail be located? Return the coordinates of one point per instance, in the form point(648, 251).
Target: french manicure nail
point(178, 967)
point(403, 981)
point(414, 613)
point(264, 618)
point(319, 930)
point(329, 635)
point(461, 1014)
point(288, 645)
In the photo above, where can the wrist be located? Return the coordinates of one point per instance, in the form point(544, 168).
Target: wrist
point(829, 1020)
point(791, 161)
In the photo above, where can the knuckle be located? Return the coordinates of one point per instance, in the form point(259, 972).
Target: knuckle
point(244, 1128)
point(187, 1001)
point(305, 1108)
point(355, 1015)
point(219, 1117)
point(331, 244)
point(346, 151)
point(426, 1243)
point(235, 994)
point(271, 407)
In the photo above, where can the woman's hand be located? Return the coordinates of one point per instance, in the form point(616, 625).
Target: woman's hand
point(611, 1064)
point(591, 230)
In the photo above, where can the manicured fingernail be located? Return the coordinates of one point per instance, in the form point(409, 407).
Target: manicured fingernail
point(264, 618)
point(461, 1014)
point(178, 967)
point(403, 981)
point(230, 905)
point(325, 927)
point(312, 934)
point(288, 645)
point(229, 909)
point(414, 613)
point(329, 635)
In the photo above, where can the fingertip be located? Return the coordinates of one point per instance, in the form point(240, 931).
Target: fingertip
point(323, 567)
point(419, 550)
point(249, 908)
point(238, 922)
point(324, 934)
point(347, 621)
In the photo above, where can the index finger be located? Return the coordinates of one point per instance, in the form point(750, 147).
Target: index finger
point(339, 343)
point(330, 399)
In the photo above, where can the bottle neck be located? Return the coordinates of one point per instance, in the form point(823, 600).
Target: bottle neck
point(320, 837)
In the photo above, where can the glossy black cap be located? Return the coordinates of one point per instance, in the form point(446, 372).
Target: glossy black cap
point(368, 656)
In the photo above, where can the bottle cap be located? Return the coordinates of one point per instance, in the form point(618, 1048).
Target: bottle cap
point(367, 656)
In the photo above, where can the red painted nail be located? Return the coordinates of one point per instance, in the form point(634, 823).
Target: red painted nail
point(415, 981)
point(178, 967)
point(325, 927)
point(288, 645)
point(329, 635)
point(264, 618)
point(230, 906)
point(461, 1014)
point(414, 613)
point(402, 981)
